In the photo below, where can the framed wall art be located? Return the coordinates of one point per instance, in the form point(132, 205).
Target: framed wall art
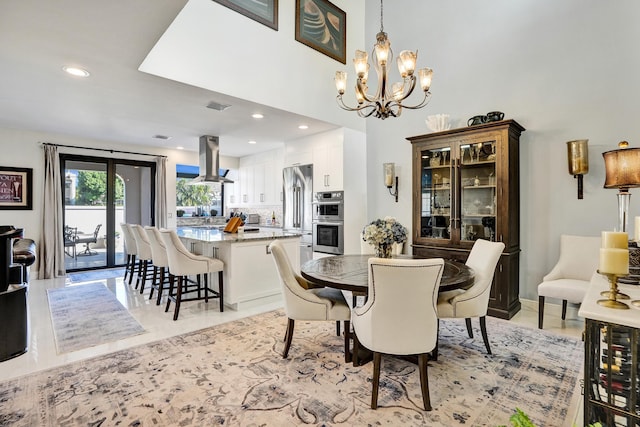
point(263, 11)
point(16, 186)
point(322, 26)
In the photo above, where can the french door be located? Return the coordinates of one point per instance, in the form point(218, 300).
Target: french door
point(99, 194)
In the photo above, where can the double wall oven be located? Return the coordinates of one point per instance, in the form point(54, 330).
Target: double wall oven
point(328, 222)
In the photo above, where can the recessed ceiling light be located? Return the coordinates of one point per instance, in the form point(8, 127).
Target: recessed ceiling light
point(257, 116)
point(303, 127)
point(75, 71)
point(252, 142)
point(161, 137)
point(180, 148)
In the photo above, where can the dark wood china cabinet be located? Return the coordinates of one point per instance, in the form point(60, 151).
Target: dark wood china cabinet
point(466, 187)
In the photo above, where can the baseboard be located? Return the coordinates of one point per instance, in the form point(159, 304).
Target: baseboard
point(552, 307)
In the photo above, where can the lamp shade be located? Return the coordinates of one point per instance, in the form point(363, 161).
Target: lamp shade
point(578, 156)
point(622, 168)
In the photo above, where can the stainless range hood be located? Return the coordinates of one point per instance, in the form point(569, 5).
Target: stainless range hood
point(209, 161)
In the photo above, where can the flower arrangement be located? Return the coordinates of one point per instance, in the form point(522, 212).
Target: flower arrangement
point(383, 233)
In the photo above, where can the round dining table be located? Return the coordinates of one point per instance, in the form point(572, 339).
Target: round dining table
point(349, 273)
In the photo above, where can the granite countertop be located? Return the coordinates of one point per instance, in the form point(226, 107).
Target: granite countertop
point(216, 234)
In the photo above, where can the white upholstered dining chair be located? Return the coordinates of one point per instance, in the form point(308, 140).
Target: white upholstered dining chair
point(183, 264)
point(161, 274)
point(304, 302)
point(145, 260)
point(473, 302)
point(132, 251)
point(399, 317)
point(569, 279)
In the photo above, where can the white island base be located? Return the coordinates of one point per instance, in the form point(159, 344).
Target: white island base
point(250, 274)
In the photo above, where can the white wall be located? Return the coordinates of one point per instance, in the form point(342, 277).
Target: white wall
point(252, 61)
point(564, 70)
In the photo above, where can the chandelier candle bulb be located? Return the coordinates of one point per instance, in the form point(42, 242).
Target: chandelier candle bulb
point(615, 240)
point(614, 261)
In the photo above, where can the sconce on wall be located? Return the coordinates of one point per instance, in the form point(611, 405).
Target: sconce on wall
point(389, 177)
point(578, 157)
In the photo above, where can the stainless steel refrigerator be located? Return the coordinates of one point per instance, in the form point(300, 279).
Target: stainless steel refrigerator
point(297, 197)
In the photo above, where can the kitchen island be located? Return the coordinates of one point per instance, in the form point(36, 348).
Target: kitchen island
point(250, 274)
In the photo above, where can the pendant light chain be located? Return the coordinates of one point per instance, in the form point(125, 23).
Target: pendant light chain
point(381, 24)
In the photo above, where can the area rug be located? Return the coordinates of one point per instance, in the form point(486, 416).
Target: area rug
point(87, 315)
point(93, 275)
point(233, 375)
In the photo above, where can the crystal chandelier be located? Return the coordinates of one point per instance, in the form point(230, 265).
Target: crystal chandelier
point(386, 102)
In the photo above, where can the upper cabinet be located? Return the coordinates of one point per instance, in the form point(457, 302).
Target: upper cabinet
point(466, 187)
point(259, 180)
point(328, 166)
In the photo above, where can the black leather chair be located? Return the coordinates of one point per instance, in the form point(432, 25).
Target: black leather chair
point(13, 298)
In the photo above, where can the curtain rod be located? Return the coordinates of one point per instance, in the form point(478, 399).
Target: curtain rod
point(104, 149)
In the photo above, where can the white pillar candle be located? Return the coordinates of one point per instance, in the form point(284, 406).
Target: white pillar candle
point(636, 235)
point(614, 261)
point(615, 239)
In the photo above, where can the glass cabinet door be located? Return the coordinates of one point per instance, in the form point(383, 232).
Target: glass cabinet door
point(436, 193)
point(478, 191)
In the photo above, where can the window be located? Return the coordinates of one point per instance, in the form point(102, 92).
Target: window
point(201, 199)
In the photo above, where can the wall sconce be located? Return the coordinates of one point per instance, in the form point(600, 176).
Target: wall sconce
point(622, 169)
point(389, 177)
point(578, 157)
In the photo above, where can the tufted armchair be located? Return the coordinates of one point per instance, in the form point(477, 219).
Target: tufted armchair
point(569, 278)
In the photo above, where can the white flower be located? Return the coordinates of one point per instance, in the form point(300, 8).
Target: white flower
point(384, 232)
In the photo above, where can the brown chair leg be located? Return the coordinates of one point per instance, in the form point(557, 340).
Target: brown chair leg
point(145, 268)
point(356, 349)
point(182, 281)
point(337, 328)
point(133, 268)
point(153, 281)
point(289, 337)
point(221, 291)
point(540, 311)
point(564, 309)
point(140, 263)
point(483, 329)
point(163, 272)
point(347, 339)
point(424, 380)
point(434, 352)
point(467, 321)
point(375, 383)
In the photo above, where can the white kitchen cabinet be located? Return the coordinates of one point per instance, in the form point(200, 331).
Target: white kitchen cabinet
point(328, 166)
point(250, 275)
point(230, 196)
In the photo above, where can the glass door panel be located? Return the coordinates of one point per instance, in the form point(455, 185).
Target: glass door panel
point(85, 214)
point(478, 191)
point(436, 189)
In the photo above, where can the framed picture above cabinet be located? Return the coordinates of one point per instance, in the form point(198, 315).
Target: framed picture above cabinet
point(466, 187)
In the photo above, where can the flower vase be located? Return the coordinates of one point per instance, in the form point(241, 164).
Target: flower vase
point(383, 251)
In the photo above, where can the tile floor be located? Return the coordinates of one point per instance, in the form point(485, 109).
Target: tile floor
point(197, 315)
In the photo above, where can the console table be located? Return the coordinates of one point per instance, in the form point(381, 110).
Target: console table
point(612, 363)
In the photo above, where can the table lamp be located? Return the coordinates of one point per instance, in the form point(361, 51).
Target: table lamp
point(622, 168)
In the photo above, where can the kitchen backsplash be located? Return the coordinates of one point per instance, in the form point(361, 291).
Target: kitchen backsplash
point(265, 213)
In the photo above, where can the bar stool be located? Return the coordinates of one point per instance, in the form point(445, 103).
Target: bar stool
point(182, 264)
point(131, 249)
point(145, 261)
point(160, 262)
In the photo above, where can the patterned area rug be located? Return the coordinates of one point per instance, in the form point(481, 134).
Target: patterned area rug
point(87, 315)
point(233, 375)
point(87, 276)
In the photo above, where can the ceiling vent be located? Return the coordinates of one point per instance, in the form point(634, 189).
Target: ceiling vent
point(217, 106)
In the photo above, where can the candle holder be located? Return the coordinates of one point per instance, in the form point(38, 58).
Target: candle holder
point(612, 294)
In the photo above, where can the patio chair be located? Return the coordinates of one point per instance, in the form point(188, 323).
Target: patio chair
point(70, 240)
point(87, 239)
